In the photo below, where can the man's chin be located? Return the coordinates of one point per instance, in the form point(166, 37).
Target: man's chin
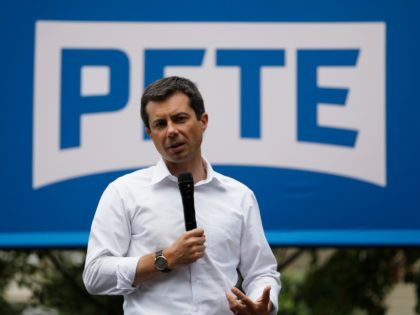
point(178, 158)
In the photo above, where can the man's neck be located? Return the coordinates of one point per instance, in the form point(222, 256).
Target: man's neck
point(197, 168)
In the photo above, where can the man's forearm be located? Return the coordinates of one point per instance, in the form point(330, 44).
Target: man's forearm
point(146, 268)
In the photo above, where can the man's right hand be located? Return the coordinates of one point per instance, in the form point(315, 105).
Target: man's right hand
point(188, 248)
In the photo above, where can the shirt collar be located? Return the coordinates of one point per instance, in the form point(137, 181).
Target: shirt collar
point(161, 173)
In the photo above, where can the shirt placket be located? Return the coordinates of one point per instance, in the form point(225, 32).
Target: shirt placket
point(195, 287)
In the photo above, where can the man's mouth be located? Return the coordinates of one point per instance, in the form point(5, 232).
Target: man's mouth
point(175, 145)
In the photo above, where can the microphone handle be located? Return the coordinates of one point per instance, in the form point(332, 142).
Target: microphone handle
point(189, 211)
point(186, 188)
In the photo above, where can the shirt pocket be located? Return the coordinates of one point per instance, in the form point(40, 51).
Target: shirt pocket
point(223, 240)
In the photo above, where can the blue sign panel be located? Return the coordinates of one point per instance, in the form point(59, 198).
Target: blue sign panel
point(312, 105)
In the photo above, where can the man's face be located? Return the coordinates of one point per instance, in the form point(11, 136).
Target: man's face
point(175, 130)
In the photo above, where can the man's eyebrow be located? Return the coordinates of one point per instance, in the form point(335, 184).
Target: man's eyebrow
point(158, 119)
point(180, 114)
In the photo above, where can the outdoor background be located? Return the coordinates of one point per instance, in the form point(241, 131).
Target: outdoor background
point(312, 104)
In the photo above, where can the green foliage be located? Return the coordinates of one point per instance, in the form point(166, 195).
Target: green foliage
point(291, 302)
point(55, 279)
point(356, 278)
point(7, 271)
point(348, 282)
point(412, 274)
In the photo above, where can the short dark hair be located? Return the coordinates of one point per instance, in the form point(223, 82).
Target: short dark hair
point(162, 89)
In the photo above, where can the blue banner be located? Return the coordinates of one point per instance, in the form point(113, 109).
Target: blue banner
point(312, 105)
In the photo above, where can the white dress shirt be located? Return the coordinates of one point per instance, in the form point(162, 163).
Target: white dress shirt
point(141, 213)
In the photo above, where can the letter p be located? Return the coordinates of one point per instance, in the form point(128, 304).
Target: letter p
point(107, 73)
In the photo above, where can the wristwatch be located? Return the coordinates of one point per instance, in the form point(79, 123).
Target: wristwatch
point(161, 263)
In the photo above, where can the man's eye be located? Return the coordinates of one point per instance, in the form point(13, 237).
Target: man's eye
point(180, 119)
point(159, 124)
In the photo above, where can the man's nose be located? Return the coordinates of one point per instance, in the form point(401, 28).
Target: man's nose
point(172, 130)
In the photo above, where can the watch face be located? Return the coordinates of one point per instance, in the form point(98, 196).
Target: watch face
point(161, 263)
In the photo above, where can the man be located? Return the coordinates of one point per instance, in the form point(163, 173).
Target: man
point(138, 246)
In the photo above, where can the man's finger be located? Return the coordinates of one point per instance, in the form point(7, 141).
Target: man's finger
point(199, 240)
point(243, 298)
point(231, 300)
point(196, 232)
point(235, 305)
point(265, 298)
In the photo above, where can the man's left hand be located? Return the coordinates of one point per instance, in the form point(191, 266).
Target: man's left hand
point(240, 304)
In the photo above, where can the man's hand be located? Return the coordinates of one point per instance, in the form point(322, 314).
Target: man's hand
point(186, 249)
point(240, 304)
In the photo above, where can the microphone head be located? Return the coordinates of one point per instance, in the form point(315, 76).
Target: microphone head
point(185, 178)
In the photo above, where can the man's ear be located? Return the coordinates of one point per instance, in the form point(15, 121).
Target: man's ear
point(148, 131)
point(204, 120)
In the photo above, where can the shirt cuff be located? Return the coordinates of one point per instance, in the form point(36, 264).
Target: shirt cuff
point(275, 302)
point(126, 271)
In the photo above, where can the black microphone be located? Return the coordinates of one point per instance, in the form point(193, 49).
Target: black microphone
point(186, 187)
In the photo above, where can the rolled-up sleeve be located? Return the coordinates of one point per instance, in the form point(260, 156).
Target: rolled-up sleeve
point(107, 269)
point(258, 265)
